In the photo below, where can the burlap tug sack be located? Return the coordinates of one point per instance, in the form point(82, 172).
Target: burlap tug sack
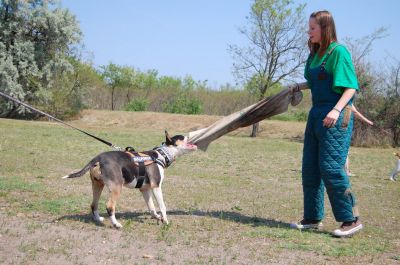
point(261, 110)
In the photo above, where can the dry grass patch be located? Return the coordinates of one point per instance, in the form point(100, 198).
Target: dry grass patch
point(229, 205)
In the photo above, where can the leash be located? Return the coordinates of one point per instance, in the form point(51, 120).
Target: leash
point(58, 120)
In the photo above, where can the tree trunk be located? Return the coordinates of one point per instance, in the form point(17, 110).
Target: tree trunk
point(254, 131)
point(10, 114)
point(112, 98)
point(396, 137)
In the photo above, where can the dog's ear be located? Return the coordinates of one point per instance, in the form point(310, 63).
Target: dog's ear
point(168, 140)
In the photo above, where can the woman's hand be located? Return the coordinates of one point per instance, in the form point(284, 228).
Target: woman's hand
point(331, 119)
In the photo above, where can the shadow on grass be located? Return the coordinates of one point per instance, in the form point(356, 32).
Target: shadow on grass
point(141, 217)
point(223, 215)
point(234, 217)
point(83, 218)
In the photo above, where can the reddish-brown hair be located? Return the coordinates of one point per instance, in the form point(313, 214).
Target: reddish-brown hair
point(328, 32)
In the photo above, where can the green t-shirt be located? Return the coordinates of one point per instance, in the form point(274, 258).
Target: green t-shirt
point(340, 65)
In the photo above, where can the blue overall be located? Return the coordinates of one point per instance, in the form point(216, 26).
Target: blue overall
point(325, 151)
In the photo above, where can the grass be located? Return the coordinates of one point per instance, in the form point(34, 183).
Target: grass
point(231, 204)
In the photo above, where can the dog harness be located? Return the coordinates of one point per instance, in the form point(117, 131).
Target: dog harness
point(143, 161)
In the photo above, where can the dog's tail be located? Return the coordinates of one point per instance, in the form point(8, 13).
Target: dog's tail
point(81, 172)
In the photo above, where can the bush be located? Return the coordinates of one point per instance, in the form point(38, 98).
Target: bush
point(301, 115)
point(183, 105)
point(138, 104)
point(298, 115)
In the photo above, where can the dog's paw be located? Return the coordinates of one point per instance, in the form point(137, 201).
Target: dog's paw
point(157, 217)
point(97, 217)
point(117, 225)
point(164, 221)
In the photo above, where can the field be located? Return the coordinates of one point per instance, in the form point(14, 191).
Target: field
point(229, 205)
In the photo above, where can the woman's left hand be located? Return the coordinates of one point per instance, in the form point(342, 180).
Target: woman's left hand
point(331, 119)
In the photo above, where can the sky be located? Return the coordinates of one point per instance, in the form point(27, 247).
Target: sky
point(186, 37)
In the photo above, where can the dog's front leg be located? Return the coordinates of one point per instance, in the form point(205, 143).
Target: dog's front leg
point(150, 205)
point(160, 200)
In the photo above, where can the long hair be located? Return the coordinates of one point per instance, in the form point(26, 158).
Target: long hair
point(328, 32)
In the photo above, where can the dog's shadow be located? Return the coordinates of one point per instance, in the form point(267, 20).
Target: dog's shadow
point(141, 217)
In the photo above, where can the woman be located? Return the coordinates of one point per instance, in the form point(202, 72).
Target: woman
point(331, 77)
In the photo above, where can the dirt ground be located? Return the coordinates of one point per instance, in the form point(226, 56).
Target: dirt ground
point(213, 221)
point(55, 241)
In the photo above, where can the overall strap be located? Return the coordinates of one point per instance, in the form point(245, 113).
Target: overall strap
point(327, 56)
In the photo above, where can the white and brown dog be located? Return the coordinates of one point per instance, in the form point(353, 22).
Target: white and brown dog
point(396, 169)
point(143, 170)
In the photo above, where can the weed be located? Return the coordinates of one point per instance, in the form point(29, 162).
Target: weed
point(239, 195)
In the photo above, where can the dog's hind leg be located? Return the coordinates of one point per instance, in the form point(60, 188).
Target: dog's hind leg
point(393, 175)
point(97, 187)
point(115, 192)
point(150, 205)
point(160, 200)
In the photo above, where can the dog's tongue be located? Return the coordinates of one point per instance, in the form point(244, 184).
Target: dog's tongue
point(192, 145)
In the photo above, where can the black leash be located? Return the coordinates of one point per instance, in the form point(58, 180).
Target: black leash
point(58, 120)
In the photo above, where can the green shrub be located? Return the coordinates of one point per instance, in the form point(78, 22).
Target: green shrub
point(183, 105)
point(301, 115)
point(298, 115)
point(138, 104)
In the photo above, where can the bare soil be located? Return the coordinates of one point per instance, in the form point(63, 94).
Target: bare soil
point(204, 229)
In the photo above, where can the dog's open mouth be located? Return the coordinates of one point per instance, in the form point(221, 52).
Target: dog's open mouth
point(191, 146)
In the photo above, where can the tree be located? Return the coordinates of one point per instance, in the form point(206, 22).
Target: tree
point(117, 77)
point(70, 93)
point(373, 99)
point(37, 39)
point(360, 49)
point(389, 115)
point(277, 46)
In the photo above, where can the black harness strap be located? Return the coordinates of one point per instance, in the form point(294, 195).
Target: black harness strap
point(140, 160)
point(142, 175)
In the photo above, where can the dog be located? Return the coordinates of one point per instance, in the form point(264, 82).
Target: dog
point(143, 170)
point(396, 170)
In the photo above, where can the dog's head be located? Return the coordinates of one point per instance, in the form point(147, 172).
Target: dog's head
point(179, 143)
point(397, 154)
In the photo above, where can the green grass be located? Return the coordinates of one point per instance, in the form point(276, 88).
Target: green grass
point(17, 184)
point(239, 195)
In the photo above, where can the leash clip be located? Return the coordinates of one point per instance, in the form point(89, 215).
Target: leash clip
point(117, 148)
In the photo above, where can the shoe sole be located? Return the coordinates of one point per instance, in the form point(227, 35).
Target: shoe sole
point(315, 227)
point(349, 233)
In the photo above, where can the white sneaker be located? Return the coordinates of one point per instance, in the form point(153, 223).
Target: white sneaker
point(305, 224)
point(392, 178)
point(348, 229)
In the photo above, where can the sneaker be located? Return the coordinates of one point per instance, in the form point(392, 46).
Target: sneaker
point(348, 228)
point(392, 178)
point(307, 224)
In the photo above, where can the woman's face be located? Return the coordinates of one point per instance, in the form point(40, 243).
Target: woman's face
point(314, 31)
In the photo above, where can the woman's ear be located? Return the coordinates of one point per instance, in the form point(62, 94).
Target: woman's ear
point(168, 140)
